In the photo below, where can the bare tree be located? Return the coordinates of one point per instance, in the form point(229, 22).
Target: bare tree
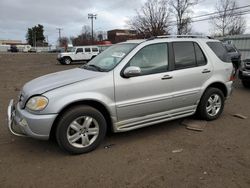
point(152, 19)
point(228, 20)
point(63, 41)
point(182, 11)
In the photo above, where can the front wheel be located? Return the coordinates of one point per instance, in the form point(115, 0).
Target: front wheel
point(67, 61)
point(81, 129)
point(246, 84)
point(211, 104)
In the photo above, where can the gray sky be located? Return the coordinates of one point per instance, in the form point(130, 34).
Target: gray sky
point(71, 15)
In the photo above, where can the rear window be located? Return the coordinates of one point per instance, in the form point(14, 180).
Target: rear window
point(94, 49)
point(219, 50)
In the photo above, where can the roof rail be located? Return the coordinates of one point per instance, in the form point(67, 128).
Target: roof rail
point(179, 36)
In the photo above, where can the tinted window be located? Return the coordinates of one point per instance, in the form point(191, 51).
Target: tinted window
point(200, 57)
point(220, 51)
point(94, 49)
point(184, 55)
point(151, 59)
point(79, 50)
point(230, 48)
point(87, 50)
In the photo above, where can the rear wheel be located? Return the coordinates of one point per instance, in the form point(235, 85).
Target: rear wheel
point(211, 104)
point(81, 129)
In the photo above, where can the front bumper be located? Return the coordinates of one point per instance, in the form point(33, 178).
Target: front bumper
point(60, 59)
point(244, 75)
point(23, 123)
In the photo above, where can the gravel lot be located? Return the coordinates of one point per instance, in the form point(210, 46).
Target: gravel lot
point(217, 157)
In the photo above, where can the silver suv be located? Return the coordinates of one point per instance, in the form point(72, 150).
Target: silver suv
point(130, 85)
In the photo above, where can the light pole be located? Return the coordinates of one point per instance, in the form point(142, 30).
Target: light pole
point(92, 16)
point(59, 34)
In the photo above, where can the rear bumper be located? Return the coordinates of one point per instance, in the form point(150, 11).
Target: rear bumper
point(229, 86)
point(23, 123)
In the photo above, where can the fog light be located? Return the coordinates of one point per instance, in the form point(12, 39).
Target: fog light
point(23, 123)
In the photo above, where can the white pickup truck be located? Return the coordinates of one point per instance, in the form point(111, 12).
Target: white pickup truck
point(78, 53)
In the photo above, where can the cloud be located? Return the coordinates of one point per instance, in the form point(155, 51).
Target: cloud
point(71, 15)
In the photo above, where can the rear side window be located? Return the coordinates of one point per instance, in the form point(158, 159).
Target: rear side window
point(87, 50)
point(200, 57)
point(184, 55)
point(94, 49)
point(219, 50)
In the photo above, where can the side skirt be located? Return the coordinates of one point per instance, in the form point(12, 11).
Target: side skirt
point(135, 123)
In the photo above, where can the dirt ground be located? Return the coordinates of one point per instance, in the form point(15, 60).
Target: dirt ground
point(217, 157)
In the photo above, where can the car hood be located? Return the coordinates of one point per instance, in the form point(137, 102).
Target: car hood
point(55, 80)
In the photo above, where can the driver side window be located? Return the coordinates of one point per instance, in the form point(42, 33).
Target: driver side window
point(79, 50)
point(151, 59)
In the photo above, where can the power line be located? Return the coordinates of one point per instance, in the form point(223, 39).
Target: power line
point(209, 14)
point(236, 14)
point(214, 13)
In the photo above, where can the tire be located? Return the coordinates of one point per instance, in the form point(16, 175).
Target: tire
point(67, 61)
point(211, 104)
point(246, 84)
point(80, 130)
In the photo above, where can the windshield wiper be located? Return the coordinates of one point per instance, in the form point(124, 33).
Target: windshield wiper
point(95, 67)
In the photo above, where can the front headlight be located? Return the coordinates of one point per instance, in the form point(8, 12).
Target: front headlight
point(37, 103)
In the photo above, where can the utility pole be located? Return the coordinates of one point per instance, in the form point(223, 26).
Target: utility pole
point(92, 17)
point(59, 32)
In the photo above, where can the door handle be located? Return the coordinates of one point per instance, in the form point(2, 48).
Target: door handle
point(166, 77)
point(206, 71)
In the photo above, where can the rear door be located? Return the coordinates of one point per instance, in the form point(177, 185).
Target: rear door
point(191, 71)
point(87, 53)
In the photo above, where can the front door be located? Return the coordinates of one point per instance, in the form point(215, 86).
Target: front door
point(79, 54)
point(149, 93)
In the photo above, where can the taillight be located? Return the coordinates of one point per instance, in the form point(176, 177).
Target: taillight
point(233, 75)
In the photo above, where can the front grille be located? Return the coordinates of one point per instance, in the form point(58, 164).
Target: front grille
point(21, 99)
point(247, 65)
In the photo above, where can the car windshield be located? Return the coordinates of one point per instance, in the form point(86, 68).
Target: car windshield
point(71, 49)
point(111, 57)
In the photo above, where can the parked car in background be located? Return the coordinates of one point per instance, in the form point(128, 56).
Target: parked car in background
point(244, 72)
point(128, 86)
point(32, 50)
point(234, 54)
point(78, 53)
point(103, 47)
point(13, 48)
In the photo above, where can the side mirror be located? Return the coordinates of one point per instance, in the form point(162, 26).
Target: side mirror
point(132, 72)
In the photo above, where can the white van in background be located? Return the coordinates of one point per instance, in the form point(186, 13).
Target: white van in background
point(78, 53)
point(23, 48)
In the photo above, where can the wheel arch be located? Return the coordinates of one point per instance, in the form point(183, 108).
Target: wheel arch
point(67, 57)
point(92, 103)
point(218, 85)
